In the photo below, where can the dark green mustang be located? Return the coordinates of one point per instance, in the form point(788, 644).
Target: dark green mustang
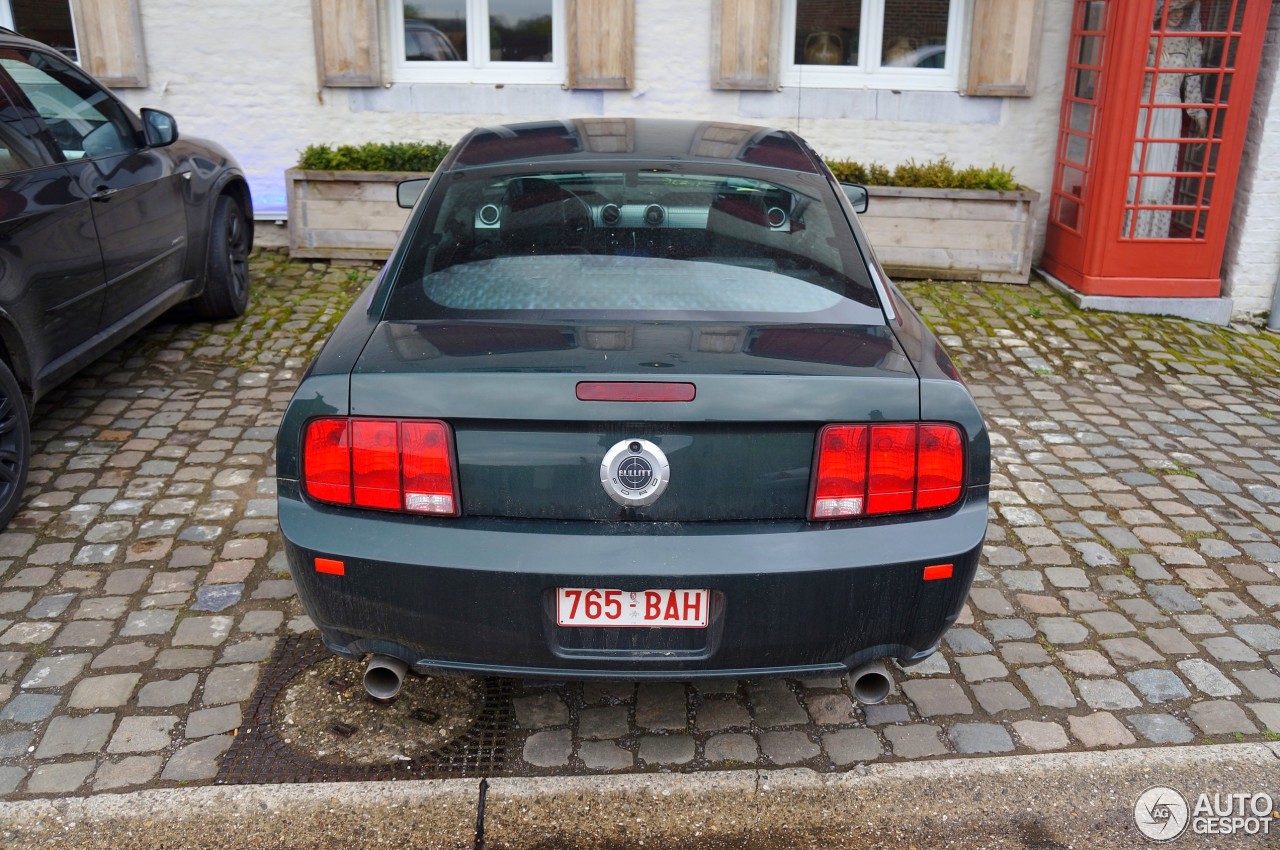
point(633, 398)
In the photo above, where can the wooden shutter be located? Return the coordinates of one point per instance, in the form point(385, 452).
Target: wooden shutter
point(1004, 46)
point(744, 44)
point(601, 43)
point(109, 41)
point(347, 49)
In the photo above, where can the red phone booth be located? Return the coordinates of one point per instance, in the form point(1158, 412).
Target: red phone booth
point(1154, 115)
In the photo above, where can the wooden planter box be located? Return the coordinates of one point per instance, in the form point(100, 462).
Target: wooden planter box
point(949, 234)
point(345, 214)
point(952, 234)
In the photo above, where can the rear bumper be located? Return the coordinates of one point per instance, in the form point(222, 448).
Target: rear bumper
point(477, 595)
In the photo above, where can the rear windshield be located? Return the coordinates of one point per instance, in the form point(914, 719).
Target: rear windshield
point(633, 245)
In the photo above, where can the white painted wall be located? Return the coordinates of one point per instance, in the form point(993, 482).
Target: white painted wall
point(1251, 264)
point(243, 72)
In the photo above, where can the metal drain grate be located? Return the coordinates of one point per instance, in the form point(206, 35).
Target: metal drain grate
point(258, 755)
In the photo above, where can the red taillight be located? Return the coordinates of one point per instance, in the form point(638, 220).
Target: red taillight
point(390, 464)
point(326, 454)
point(428, 469)
point(880, 469)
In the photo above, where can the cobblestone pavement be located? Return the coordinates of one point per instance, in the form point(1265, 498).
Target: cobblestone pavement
point(1129, 594)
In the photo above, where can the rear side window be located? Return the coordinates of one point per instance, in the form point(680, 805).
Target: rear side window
point(18, 151)
point(83, 120)
point(633, 244)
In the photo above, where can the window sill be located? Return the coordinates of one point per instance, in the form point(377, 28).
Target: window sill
point(508, 74)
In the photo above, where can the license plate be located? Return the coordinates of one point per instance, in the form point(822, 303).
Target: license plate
point(668, 609)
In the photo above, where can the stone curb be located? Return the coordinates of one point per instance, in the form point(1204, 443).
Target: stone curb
point(1075, 800)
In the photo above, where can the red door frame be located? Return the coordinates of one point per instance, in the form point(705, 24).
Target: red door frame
point(1096, 259)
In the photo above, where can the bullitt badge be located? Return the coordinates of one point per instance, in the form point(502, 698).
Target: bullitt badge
point(634, 473)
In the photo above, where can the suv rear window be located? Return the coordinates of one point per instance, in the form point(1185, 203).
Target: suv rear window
point(633, 244)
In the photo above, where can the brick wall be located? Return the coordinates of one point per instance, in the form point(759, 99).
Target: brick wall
point(1251, 263)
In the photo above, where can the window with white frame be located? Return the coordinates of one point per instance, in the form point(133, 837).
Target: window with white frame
point(900, 44)
point(48, 21)
point(500, 41)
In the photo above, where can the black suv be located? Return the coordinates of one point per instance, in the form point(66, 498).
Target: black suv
point(107, 220)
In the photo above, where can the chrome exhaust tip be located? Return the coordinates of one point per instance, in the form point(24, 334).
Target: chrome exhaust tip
point(383, 676)
point(871, 683)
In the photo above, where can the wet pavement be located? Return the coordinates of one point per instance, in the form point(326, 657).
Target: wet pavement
point(1129, 594)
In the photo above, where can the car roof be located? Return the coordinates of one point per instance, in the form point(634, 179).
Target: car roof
point(633, 140)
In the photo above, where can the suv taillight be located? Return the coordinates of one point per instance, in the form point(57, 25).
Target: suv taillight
point(392, 464)
point(864, 470)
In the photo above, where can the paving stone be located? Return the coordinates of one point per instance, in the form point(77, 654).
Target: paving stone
point(604, 755)
point(124, 655)
point(1063, 577)
point(1230, 649)
point(1261, 683)
point(1062, 630)
point(108, 691)
point(91, 633)
point(549, 748)
point(934, 697)
point(661, 706)
point(1048, 687)
point(851, 746)
point(788, 748)
point(918, 740)
point(1108, 623)
point(978, 668)
point(990, 601)
point(1130, 652)
point(1173, 598)
point(980, 738)
point(10, 778)
point(275, 589)
point(1171, 641)
point(1200, 624)
point(14, 744)
point(75, 735)
point(153, 622)
point(234, 683)
point(966, 641)
point(256, 650)
point(666, 749)
point(60, 778)
point(995, 697)
point(167, 692)
point(1260, 637)
point(29, 708)
point(1106, 694)
point(540, 711)
point(200, 760)
point(1028, 580)
point(606, 722)
point(55, 671)
point(1041, 735)
point(212, 721)
point(132, 770)
point(1002, 630)
point(1086, 662)
point(1207, 678)
point(142, 734)
point(1162, 728)
point(183, 659)
point(830, 709)
point(1268, 714)
point(125, 582)
point(1157, 686)
point(774, 704)
point(1024, 653)
point(1220, 717)
point(202, 631)
point(217, 597)
point(1101, 729)
point(738, 748)
point(879, 714)
point(29, 633)
point(261, 622)
point(1079, 601)
point(1141, 610)
point(50, 606)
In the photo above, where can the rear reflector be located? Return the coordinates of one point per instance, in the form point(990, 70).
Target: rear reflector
point(938, 571)
point(635, 391)
point(390, 464)
point(864, 470)
point(331, 567)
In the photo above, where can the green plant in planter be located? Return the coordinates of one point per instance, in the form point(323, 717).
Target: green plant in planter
point(939, 174)
point(374, 156)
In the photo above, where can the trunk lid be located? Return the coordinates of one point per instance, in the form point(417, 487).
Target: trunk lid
point(527, 447)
